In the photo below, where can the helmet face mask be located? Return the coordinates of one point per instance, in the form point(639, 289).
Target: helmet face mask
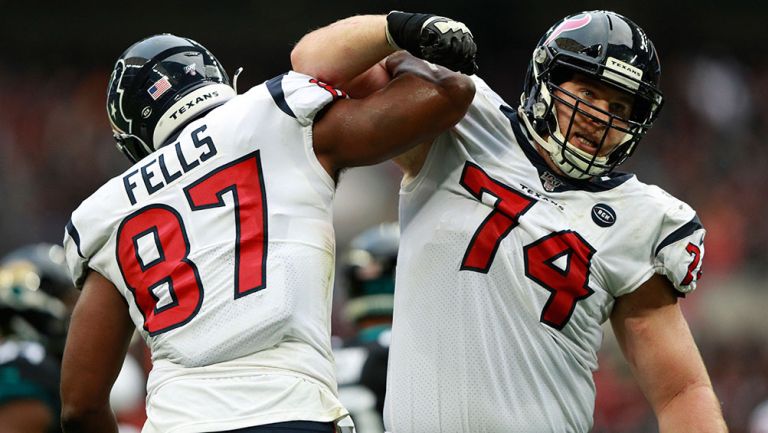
point(609, 50)
point(151, 81)
point(609, 152)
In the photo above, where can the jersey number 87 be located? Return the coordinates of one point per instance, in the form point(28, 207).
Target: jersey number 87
point(172, 268)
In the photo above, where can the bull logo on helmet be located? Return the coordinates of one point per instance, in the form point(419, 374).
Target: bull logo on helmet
point(115, 100)
point(568, 25)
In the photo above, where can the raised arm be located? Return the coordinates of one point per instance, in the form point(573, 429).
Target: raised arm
point(345, 49)
point(420, 102)
point(663, 356)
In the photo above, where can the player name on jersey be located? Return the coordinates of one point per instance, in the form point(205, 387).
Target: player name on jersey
point(153, 174)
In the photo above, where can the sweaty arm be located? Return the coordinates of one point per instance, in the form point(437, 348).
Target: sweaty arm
point(657, 343)
point(98, 338)
point(420, 102)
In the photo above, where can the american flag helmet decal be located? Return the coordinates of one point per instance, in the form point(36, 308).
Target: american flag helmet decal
point(161, 86)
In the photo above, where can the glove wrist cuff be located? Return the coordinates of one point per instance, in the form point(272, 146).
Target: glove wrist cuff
point(403, 30)
point(390, 39)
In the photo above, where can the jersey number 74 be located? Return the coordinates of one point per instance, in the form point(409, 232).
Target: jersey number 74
point(566, 285)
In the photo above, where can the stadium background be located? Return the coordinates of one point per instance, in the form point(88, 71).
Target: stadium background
point(707, 148)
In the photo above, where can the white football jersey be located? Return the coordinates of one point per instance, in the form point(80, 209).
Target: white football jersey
point(505, 274)
point(223, 246)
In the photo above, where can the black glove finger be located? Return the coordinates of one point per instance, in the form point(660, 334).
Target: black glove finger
point(458, 56)
point(446, 58)
point(463, 46)
point(471, 47)
point(445, 45)
point(467, 51)
point(429, 37)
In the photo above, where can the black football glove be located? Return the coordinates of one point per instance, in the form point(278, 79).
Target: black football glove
point(435, 39)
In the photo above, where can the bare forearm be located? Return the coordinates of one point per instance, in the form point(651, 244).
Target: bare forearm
point(663, 356)
point(343, 50)
point(98, 338)
point(696, 409)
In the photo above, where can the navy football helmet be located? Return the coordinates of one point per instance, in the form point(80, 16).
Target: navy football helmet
point(603, 46)
point(48, 262)
point(158, 85)
point(36, 294)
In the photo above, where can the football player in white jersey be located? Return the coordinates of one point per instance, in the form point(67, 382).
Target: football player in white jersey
point(519, 240)
point(218, 245)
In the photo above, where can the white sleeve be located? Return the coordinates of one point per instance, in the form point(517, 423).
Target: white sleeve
point(301, 96)
point(680, 253)
point(77, 262)
point(492, 98)
point(87, 232)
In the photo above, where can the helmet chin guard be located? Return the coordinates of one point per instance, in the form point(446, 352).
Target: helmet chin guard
point(609, 49)
point(581, 165)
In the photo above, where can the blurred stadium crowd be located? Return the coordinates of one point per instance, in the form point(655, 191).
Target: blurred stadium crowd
point(706, 148)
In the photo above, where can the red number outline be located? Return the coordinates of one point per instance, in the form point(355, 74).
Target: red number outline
point(510, 204)
point(238, 177)
point(539, 255)
point(157, 321)
point(204, 193)
point(695, 251)
point(539, 266)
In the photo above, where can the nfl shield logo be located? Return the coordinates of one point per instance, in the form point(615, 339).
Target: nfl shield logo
point(549, 181)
